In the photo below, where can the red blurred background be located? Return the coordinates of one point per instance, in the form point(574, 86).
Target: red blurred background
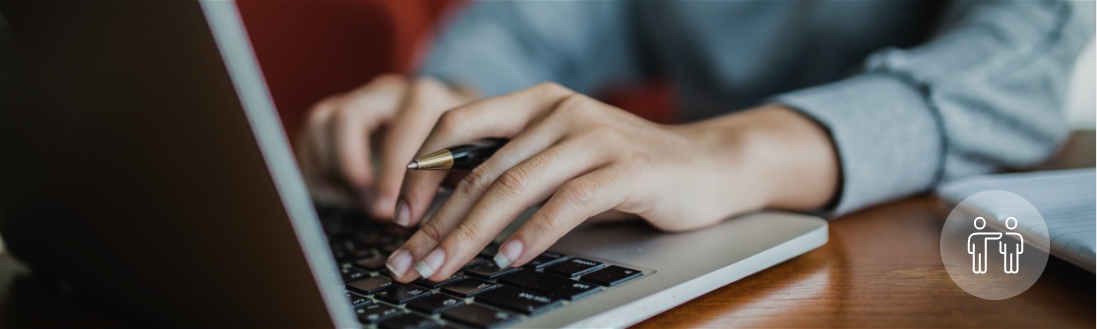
point(309, 49)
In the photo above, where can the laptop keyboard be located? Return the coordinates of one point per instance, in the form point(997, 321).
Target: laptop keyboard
point(481, 295)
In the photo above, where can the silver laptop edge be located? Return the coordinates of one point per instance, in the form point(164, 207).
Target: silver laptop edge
point(783, 236)
point(235, 47)
point(678, 267)
point(646, 307)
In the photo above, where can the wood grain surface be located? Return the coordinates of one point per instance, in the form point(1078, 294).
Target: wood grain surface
point(881, 268)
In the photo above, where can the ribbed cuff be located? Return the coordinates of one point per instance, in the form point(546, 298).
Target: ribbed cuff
point(888, 140)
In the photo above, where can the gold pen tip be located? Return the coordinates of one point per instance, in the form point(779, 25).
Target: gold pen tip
point(413, 165)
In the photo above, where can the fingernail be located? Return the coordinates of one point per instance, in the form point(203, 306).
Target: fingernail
point(399, 262)
point(403, 214)
point(509, 253)
point(431, 263)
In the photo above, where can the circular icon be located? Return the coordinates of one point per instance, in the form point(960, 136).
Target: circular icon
point(994, 245)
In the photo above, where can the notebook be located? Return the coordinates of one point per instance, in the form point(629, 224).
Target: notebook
point(1067, 199)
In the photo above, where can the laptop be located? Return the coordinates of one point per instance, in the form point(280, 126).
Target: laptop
point(144, 167)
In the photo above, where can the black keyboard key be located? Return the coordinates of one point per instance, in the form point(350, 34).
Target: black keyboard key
point(550, 284)
point(380, 241)
point(479, 316)
point(574, 267)
point(402, 293)
point(435, 285)
point(363, 253)
point(518, 300)
point(370, 285)
point(351, 274)
point(469, 287)
point(340, 255)
point(488, 271)
point(368, 239)
point(399, 231)
point(358, 300)
point(475, 261)
point(612, 276)
point(391, 248)
point(408, 321)
point(326, 212)
point(372, 263)
point(545, 259)
point(435, 304)
point(490, 251)
point(376, 313)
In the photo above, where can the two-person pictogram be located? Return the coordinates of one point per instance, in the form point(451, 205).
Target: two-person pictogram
point(1010, 258)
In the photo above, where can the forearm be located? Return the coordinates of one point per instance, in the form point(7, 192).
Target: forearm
point(939, 111)
point(779, 158)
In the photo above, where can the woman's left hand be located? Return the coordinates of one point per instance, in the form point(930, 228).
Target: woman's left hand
point(585, 158)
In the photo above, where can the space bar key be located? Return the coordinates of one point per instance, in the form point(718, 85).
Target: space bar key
point(550, 284)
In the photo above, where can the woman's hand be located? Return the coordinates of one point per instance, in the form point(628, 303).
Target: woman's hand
point(334, 151)
point(586, 158)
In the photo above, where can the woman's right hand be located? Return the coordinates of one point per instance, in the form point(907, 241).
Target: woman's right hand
point(393, 112)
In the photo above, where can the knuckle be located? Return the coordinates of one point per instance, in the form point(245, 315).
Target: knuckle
point(467, 231)
point(428, 83)
point(574, 104)
point(316, 115)
point(636, 167)
point(388, 78)
point(606, 134)
point(576, 195)
point(514, 181)
point(547, 224)
point(476, 182)
point(432, 233)
point(451, 121)
point(319, 111)
point(613, 136)
point(551, 88)
point(343, 115)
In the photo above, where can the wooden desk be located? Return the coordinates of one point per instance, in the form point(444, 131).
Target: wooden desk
point(881, 268)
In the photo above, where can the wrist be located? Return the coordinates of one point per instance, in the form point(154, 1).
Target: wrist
point(778, 158)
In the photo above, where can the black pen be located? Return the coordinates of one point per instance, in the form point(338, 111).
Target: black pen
point(466, 156)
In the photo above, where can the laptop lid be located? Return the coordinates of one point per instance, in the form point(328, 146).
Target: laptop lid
point(143, 164)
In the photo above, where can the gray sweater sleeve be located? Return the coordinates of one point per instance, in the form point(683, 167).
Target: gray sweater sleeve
point(498, 47)
point(984, 94)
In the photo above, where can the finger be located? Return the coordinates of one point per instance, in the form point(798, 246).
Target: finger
point(455, 207)
point(473, 185)
point(425, 102)
point(350, 129)
point(360, 113)
point(315, 148)
point(573, 203)
point(505, 116)
point(516, 190)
